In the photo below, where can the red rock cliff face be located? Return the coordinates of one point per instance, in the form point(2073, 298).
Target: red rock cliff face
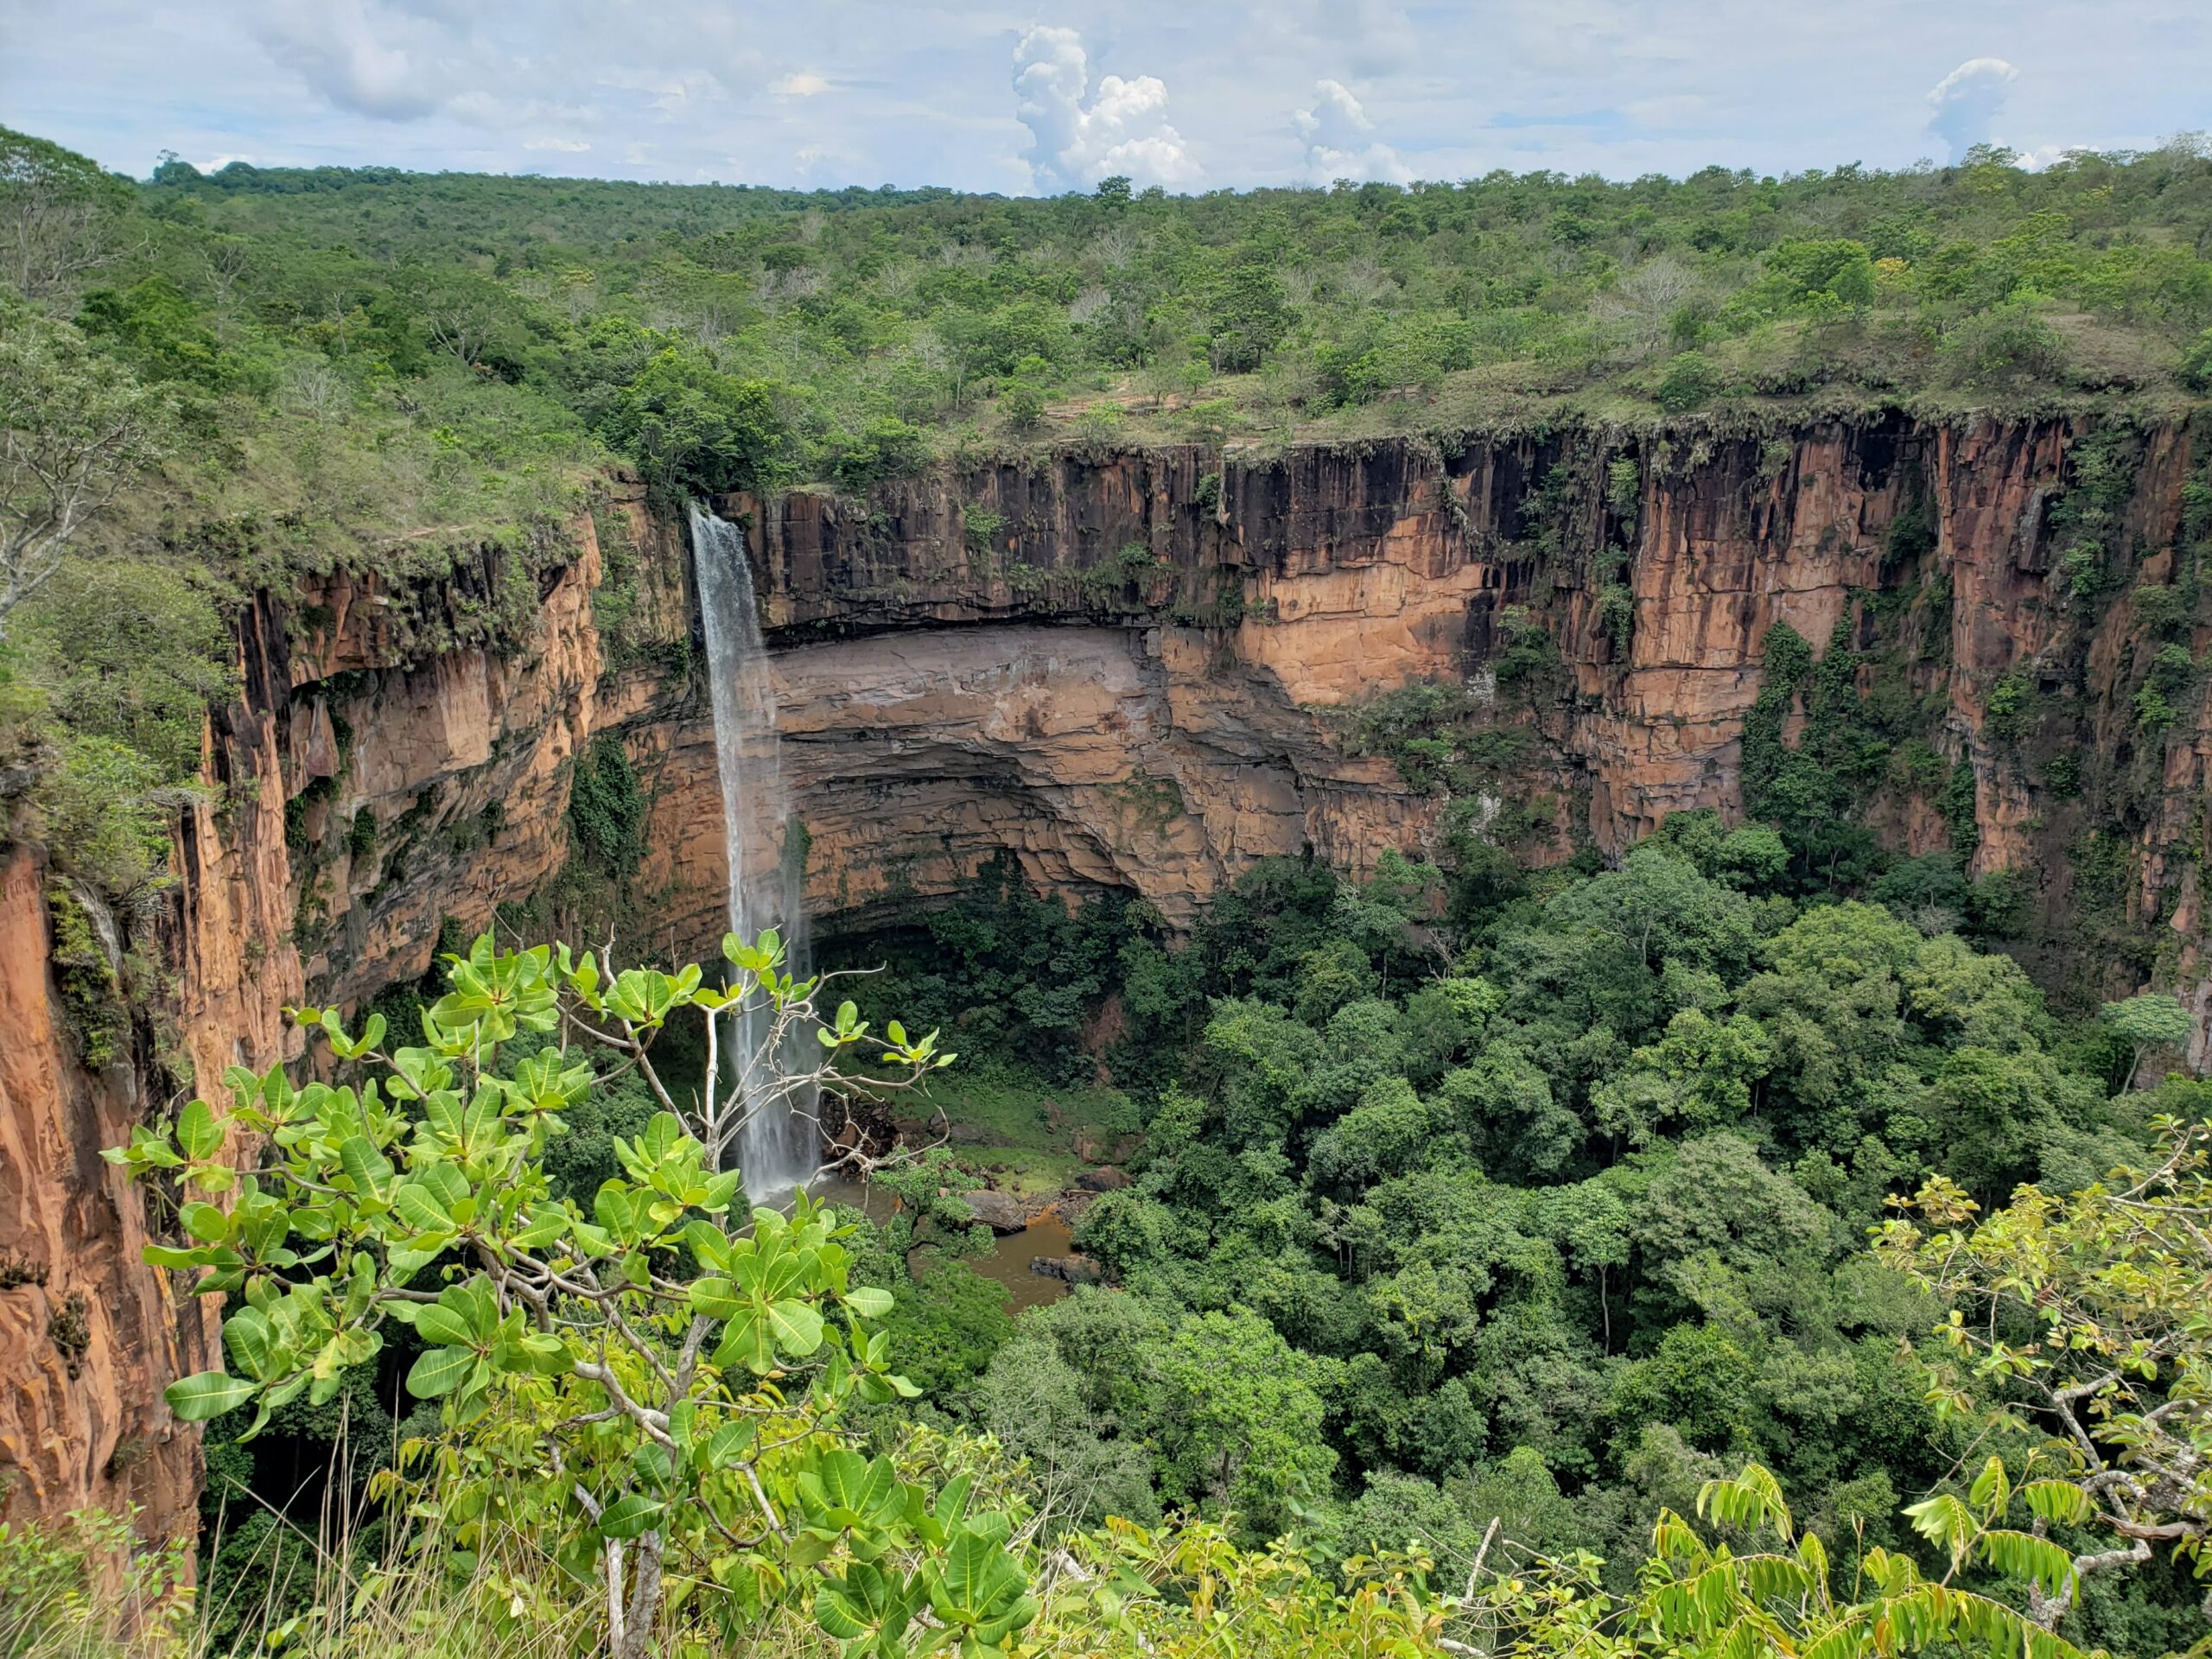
point(1126, 672)
point(460, 758)
point(88, 1334)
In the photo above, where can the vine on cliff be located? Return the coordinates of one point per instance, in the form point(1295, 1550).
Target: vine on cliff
point(1787, 659)
point(1436, 734)
point(2089, 520)
point(607, 809)
point(99, 1017)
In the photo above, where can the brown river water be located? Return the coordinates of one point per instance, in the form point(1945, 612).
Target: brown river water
point(1010, 1254)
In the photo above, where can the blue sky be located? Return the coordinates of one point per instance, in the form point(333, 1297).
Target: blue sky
point(1196, 95)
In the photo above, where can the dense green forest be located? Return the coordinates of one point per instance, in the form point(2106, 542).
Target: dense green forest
point(1483, 1217)
point(868, 327)
point(1550, 1210)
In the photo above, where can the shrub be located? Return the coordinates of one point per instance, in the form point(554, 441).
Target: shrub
point(2196, 367)
point(1689, 381)
point(1021, 407)
point(696, 429)
point(626, 1387)
point(2003, 349)
point(886, 448)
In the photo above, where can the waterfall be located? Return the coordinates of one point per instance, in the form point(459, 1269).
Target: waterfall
point(777, 1144)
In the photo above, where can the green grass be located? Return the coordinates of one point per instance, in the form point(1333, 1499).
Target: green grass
point(1004, 1128)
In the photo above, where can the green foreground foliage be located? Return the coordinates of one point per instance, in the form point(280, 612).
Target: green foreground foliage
point(649, 1392)
point(658, 1426)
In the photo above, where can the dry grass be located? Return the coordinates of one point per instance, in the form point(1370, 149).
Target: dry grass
point(86, 1588)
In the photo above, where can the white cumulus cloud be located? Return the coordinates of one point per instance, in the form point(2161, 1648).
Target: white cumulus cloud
point(1340, 141)
point(369, 58)
point(569, 146)
point(1965, 102)
point(803, 83)
point(1078, 137)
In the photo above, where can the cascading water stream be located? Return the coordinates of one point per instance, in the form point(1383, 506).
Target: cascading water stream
point(776, 1145)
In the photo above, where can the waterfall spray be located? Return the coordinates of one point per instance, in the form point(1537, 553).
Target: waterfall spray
point(777, 1146)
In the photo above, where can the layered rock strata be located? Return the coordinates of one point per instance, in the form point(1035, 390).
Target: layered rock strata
point(1129, 672)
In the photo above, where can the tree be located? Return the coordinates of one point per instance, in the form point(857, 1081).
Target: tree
point(1033, 1402)
point(652, 1390)
point(461, 312)
point(1238, 1419)
point(2083, 1319)
point(1590, 1223)
point(75, 429)
point(692, 428)
point(1656, 903)
point(1247, 313)
point(56, 210)
point(2147, 1023)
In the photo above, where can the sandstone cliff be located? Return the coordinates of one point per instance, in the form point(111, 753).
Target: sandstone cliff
point(88, 1334)
point(1127, 671)
point(1132, 672)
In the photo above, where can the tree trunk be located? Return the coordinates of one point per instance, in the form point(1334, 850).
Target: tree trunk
point(615, 1641)
point(644, 1611)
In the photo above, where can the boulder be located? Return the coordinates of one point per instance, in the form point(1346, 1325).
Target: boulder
point(1095, 1147)
point(1108, 1180)
point(1074, 1269)
point(1000, 1212)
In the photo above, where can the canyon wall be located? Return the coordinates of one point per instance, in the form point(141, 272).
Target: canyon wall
point(1134, 671)
point(1131, 672)
point(88, 1334)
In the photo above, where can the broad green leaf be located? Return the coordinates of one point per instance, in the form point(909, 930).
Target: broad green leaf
point(444, 1326)
point(209, 1394)
point(547, 1354)
point(165, 1256)
point(708, 1242)
point(746, 1341)
point(198, 1133)
point(246, 1333)
point(715, 1298)
point(419, 1208)
point(627, 1518)
point(548, 1222)
point(439, 1371)
point(368, 1169)
point(797, 1328)
point(653, 1463)
point(205, 1222)
point(865, 1487)
point(726, 1446)
point(869, 1301)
